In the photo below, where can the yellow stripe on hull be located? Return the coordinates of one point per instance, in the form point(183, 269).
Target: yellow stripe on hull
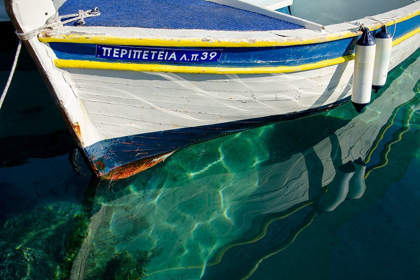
point(63, 63)
point(405, 37)
point(192, 42)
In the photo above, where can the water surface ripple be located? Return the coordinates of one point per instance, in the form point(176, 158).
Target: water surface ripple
point(330, 196)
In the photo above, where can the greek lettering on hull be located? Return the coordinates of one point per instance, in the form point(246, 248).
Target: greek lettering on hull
point(153, 54)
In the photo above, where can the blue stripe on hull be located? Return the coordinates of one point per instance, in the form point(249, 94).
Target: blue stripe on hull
point(174, 14)
point(405, 27)
point(113, 153)
point(232, 57)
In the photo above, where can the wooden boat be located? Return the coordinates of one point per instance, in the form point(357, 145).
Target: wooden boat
point(139, 80)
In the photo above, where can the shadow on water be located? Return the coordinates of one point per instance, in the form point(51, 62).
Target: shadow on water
point(258, 204)
point(30, 124)
point(44, 204)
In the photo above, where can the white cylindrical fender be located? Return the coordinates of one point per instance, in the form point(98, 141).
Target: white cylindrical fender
point(338, 189)
point(363, 70)
point(382, 58)
point(357, 185)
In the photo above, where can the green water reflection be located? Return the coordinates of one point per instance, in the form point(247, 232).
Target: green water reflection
point(256, 204)
point(219, 209)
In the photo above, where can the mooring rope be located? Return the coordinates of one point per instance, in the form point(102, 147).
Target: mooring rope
point(12, 72)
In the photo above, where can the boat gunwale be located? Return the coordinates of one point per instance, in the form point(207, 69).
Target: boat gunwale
point(238, 39)
point(120, 66)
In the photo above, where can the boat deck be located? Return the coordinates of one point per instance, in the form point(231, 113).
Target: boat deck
point(174, 14)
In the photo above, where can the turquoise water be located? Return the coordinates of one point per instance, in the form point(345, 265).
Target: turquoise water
point(330, 196)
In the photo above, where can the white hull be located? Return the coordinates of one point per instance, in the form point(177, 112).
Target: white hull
point(122, 103)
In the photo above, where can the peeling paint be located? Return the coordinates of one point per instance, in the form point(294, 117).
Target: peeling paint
point(100, 165)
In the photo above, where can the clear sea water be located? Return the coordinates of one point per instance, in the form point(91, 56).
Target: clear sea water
point(331, 196)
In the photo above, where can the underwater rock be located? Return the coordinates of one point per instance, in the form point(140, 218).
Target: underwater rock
point(126, 267)
point(36, 245)
point(25, 262)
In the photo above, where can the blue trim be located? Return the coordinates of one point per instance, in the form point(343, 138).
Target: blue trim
point(403, 27)
point(272, 56)
point(174, 14)
point(117, 152)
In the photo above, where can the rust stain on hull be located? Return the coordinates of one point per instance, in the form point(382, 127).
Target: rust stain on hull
point(76, 128)
point(100, 165)
point(134, 168)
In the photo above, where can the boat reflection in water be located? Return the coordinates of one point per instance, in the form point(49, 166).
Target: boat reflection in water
point(217, 210)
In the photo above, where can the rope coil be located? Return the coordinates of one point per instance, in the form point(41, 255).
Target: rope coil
point(55, 22)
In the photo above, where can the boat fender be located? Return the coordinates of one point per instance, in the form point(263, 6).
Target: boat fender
point(363, 70)
point(357, 185)
point(338, 188)
point(382, 58)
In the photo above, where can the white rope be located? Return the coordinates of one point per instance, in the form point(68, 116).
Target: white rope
point(51, 23)
point(395, 27)
point(12, 72)
point(383, 23)
point(80, 16)
point(378, 20)
point(55, 21)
